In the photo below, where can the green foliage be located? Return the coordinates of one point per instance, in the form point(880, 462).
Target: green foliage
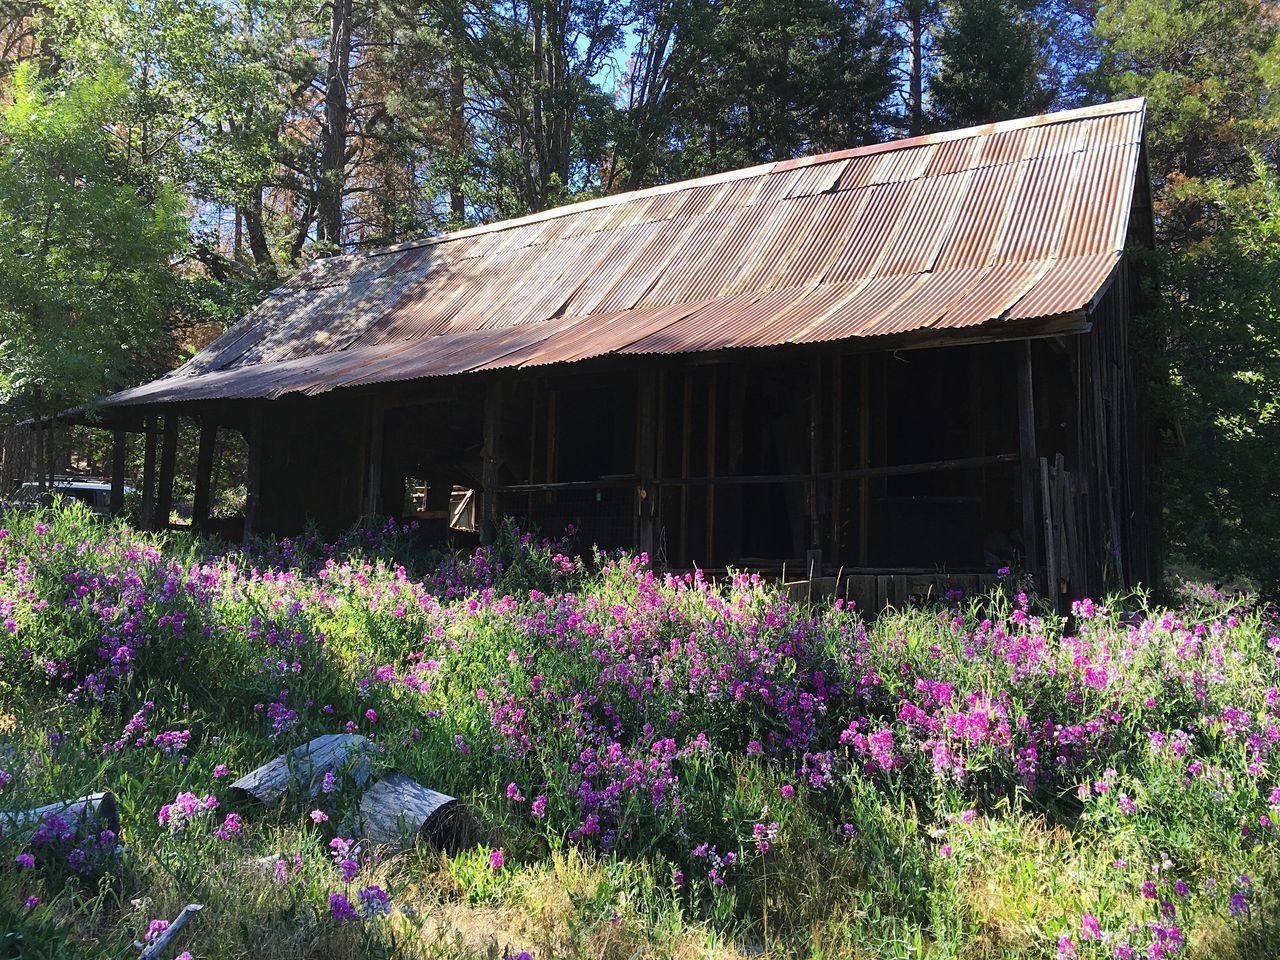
point(1219, 389)
point(991, 55)
point(85, 244)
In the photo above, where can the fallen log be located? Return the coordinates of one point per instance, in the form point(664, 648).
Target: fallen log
point(399, 812)
point(305, 768)
point(158, 946)
point(83, 816)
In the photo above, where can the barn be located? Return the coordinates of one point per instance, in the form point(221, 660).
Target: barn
point(897, 365)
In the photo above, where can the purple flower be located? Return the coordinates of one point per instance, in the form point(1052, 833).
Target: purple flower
point(220, 771)
point(1239, 904)
point(374, 902)
point(513, 793)
point(371, 715)
point(341, 909)
point(539, 806)
point(788, 791)
point(32, 902)
point(25, 860)
point(496, 860)
point(319, 816)
point(154, 929)
point(329, 783)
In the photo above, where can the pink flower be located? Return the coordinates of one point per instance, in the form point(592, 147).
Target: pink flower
point(539, 806)
point(495, 860)
point(319, 816)
point(788, 791)
point(154, 929)
point(371, 715)
point(33, 902)
point(221, 771)
point(1090, 928)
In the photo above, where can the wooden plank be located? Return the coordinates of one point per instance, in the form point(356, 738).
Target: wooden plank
point(168, 456)
point(253, 475)
point(204, 474)
point(837, 427)
point(1027, 452)
point(686, 430)
point(491, 459)
point(119, 447)
point(149, 474)
point(646, 457)
point(713, 391)
point(1050, 541)
point(898, 470)
point(860, 589)
point(864, 458)
point(372, 506)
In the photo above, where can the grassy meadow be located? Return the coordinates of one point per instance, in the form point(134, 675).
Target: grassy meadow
point(655, 766)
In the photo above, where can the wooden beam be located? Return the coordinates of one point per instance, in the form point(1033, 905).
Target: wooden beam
point(149, 474)
point(837, 428)
point(897, 470)
point(168, 457)
point(686, 411)
point(646, 457)
point(864, 456)
point(253, 475)
point(376, 427)
point(1027, 455)
point(204, 474)
point(119, 449)
point(815, 464)
point(713, 391)
point(491, 459)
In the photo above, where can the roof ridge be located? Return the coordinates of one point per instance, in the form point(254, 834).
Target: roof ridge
point(1110, 108)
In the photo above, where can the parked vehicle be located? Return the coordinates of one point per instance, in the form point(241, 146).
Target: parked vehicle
point(94, 493)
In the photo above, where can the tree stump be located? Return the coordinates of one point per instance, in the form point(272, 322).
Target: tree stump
point(399, 812)
point(305, 767)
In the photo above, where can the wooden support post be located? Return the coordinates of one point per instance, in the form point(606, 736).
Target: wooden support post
point(149, 474)
point(119, 448)
point(204, 475)
point(815, 465)
point(837, 427)
point(491, 459)
point(253, 476)
point(553, 440)
point(1027, 453)
point(713, 391)
point(375, 427)
point(168, 455)
point(646, 457)
point(864, 458)
point(686, 413)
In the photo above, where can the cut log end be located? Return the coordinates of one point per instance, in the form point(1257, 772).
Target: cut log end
point(399, 812)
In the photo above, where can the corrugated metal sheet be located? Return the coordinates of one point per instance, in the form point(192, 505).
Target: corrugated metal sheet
point(1001, 223)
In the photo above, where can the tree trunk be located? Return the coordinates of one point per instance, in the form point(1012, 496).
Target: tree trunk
point(915, 95)
point(256, 231)
point(334, 155)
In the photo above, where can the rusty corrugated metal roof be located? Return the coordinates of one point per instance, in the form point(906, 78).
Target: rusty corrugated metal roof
point(991, 225)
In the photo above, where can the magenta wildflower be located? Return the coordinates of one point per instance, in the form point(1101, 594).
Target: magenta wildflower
point(25, 860)
point(539, 806)
point(221, 771)
point(154, 929)
point(318, 816)
point(496, 860)
point(788, 791)
point(1090, 928)
point(32, 902)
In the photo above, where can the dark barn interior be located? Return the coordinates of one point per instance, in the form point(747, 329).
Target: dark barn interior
point(890, 457)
